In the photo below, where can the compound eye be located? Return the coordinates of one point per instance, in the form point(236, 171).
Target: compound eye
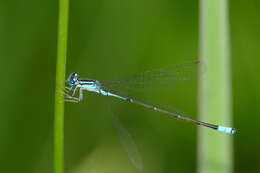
point(74, 74)
point(72, 78)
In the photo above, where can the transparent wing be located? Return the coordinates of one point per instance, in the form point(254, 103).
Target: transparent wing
point(167, 76)
point(127, 142)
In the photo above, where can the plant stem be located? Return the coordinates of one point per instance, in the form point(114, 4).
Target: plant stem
point(214, 149)
point(60, 78)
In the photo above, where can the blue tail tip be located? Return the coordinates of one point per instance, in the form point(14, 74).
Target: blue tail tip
point(228, 130)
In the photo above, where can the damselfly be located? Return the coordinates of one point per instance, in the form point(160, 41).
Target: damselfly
point(78, 84)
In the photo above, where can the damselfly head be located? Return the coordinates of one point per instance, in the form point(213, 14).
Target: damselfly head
point(72, 79)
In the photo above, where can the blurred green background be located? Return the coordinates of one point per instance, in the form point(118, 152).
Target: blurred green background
point(109, 39)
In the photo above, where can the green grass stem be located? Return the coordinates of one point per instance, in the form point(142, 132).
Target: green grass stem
point(60, 77)
point(214, 148)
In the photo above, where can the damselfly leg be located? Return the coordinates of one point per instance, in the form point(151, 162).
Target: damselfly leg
point(69, 93)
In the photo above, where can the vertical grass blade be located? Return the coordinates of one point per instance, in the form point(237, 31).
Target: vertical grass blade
point(60, 77)
point(214, 148)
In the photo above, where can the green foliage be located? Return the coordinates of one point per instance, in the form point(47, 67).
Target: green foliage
point(215, 151)
point(60, 78)
point(110, 39)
